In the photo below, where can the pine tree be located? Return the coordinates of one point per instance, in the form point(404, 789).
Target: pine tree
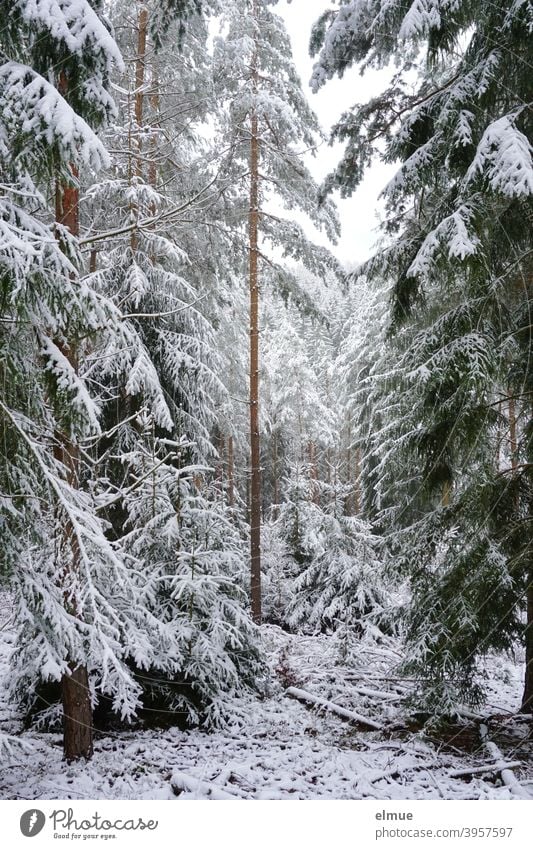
point(267, 117)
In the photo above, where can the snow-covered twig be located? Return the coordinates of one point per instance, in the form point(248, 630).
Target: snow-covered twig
point(350, 715)
point(483, 770)
point(181, 782)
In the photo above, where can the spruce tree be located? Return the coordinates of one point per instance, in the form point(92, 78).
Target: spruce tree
point(459, 259)
point(266, 119)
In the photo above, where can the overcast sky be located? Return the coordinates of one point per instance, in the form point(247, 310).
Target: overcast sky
point(359, 214)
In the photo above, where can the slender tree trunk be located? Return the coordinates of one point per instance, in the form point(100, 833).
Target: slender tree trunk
point(313, 471)
point(154, 103)
point(140, 66)
point(513, 444)
point(219, 469)
point(527, 697)
point(348, 503)
point(140, 74)
point(275, 471)
point(77, 708)
point(231, 473)
point(357, 483)
point(255, 448)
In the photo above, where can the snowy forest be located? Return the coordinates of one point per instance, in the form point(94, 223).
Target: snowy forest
point(266, 516)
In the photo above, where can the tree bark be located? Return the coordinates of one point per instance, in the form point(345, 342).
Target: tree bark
point(275, 473)
point(140, 66)
point(140, 71)
point(513, 443)
point(219, 468)
point(313, 471)
point(357, 483)
point(231, 473)
point(527, 697)
point(77, 708)
point(255, 448)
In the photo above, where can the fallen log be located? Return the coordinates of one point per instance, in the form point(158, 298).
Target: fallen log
point(378, 694)
point(331, 707)
point(508, 776)
point(486, 769)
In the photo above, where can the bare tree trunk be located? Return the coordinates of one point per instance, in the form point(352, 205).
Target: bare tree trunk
point(140, 66)
point(231, 473)
point(154, 103)
point(219, 468)
point(255, 448)
point(513, 444)
point(357, 483)
point(275, 472)
point(140, 73)
point(527, 697)
point(75, 693)
point(348, 502)
point(313, 471)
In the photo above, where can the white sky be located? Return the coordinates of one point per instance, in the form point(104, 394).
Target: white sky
point(359, 214)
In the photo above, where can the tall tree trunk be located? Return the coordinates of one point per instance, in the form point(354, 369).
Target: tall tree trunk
point(313, 471)
point(357, 483)
point(140, 67)
point(231, 473)
point(527, 697)
point(219, 468)
point(154, 103)
point(255, 448)
point(513, 444)
point(75, 693)
point(275, 473)
point(140, 74)
point(348, 502)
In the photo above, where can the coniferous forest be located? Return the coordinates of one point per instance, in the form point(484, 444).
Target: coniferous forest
point(266, 515)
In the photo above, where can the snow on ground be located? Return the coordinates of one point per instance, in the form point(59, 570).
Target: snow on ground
point(279, 748)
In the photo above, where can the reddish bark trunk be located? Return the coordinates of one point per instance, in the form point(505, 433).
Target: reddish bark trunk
point(255, 448)
point(77, 709)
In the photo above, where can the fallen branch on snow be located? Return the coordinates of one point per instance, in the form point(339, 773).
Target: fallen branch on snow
point(483, 770)
point(181, 782)
point(397, 772)
point(508, 776)
point(350, 715)
point(378, 694)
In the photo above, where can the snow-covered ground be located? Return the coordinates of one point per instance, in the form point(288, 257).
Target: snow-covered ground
point(280, 748)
